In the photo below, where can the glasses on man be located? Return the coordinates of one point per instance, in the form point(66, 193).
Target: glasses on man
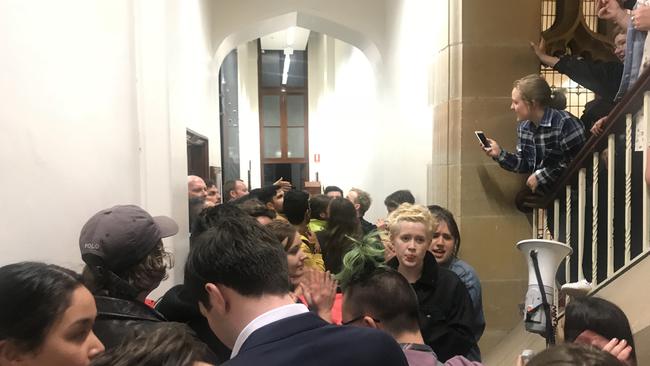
point(359, 318)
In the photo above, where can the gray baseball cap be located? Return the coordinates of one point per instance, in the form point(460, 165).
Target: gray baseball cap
point(122, 236)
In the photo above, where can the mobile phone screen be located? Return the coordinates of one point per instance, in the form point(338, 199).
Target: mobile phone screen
point(481, 137)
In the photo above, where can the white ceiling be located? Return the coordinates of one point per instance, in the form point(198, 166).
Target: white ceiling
point(278, 40)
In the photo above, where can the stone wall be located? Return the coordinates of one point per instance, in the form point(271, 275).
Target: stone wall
point(482, 48)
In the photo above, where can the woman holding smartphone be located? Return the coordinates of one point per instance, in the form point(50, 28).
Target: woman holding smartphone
point(548, 137)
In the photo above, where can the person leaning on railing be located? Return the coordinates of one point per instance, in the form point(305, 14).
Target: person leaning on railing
point(548, 137)
point(601, 77)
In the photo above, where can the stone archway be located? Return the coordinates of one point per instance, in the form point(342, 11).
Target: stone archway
point(302, 19)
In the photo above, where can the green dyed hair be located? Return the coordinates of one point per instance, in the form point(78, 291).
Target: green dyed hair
point(367, 282)
point(360, 262)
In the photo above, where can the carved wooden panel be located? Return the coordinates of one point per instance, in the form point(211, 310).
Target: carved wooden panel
point(570, 33)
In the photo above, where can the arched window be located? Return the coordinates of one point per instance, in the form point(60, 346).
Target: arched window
point(573, 27)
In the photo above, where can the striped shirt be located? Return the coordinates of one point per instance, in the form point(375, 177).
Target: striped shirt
point(545, 150)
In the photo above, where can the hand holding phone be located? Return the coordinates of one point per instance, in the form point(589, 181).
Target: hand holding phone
point(482, 139)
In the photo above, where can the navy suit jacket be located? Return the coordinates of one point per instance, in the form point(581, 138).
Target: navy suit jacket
point(307, 340)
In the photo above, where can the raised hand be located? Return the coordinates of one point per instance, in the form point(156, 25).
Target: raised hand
point(616, 347)
point(611, 10)
point(540, 52)
point(319, 290)
point(539, 48)
point(619, 349)
point(283, 184)
point(641, 18)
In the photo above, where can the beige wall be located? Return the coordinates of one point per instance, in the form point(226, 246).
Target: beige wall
point(343, 115)
point(96, 100)
point(481, 50)
point(68, 127)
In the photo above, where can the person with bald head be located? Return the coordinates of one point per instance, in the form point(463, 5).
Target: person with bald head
point(196, 195)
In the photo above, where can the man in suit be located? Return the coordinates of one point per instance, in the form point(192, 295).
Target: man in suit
point(238, 273)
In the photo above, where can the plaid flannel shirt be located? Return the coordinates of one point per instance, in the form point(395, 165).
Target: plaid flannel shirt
point(547, 149)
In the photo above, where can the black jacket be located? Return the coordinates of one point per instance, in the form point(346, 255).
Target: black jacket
point(594, 110)
point(306, 340)
point(176, 305)
point(366, 226)
point(446, 314)
point(118, 318)
point(603, 78)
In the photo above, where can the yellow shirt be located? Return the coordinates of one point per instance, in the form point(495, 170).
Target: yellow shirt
point(312, 260)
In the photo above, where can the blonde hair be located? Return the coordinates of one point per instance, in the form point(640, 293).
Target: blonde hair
point(411, 213)
point(534, 88)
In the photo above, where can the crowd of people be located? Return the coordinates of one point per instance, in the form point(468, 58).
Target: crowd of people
point(273, 277)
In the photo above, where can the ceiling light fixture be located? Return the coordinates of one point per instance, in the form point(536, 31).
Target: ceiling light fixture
point(287, 60)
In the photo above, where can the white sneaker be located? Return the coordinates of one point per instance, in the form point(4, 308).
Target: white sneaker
point(577, 289)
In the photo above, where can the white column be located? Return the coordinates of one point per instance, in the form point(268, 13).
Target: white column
point(567, 261)
point(582, 179)
point(594, 220)
point(611, 146)
point(646, 197)
point(628, 187)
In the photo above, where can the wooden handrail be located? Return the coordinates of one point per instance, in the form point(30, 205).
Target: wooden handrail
point(631, 103)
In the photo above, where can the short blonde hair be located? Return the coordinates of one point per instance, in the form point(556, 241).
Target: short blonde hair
point(411, 213)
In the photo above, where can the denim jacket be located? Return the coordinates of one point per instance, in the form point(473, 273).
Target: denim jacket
point(633, 58)
point(469, 277)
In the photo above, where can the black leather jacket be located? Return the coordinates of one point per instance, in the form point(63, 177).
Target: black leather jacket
point(116, 318)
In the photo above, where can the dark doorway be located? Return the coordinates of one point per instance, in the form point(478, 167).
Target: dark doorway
point(197, 155)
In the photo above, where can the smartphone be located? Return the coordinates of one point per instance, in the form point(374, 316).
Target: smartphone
point(481, 138)
point(526, 356)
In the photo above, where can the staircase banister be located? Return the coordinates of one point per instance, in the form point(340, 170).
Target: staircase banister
point(631, 103)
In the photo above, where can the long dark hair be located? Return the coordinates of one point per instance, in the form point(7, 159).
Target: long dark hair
point(597, 315)
point(343, 219)
point(342, 225)
point(33, 296)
